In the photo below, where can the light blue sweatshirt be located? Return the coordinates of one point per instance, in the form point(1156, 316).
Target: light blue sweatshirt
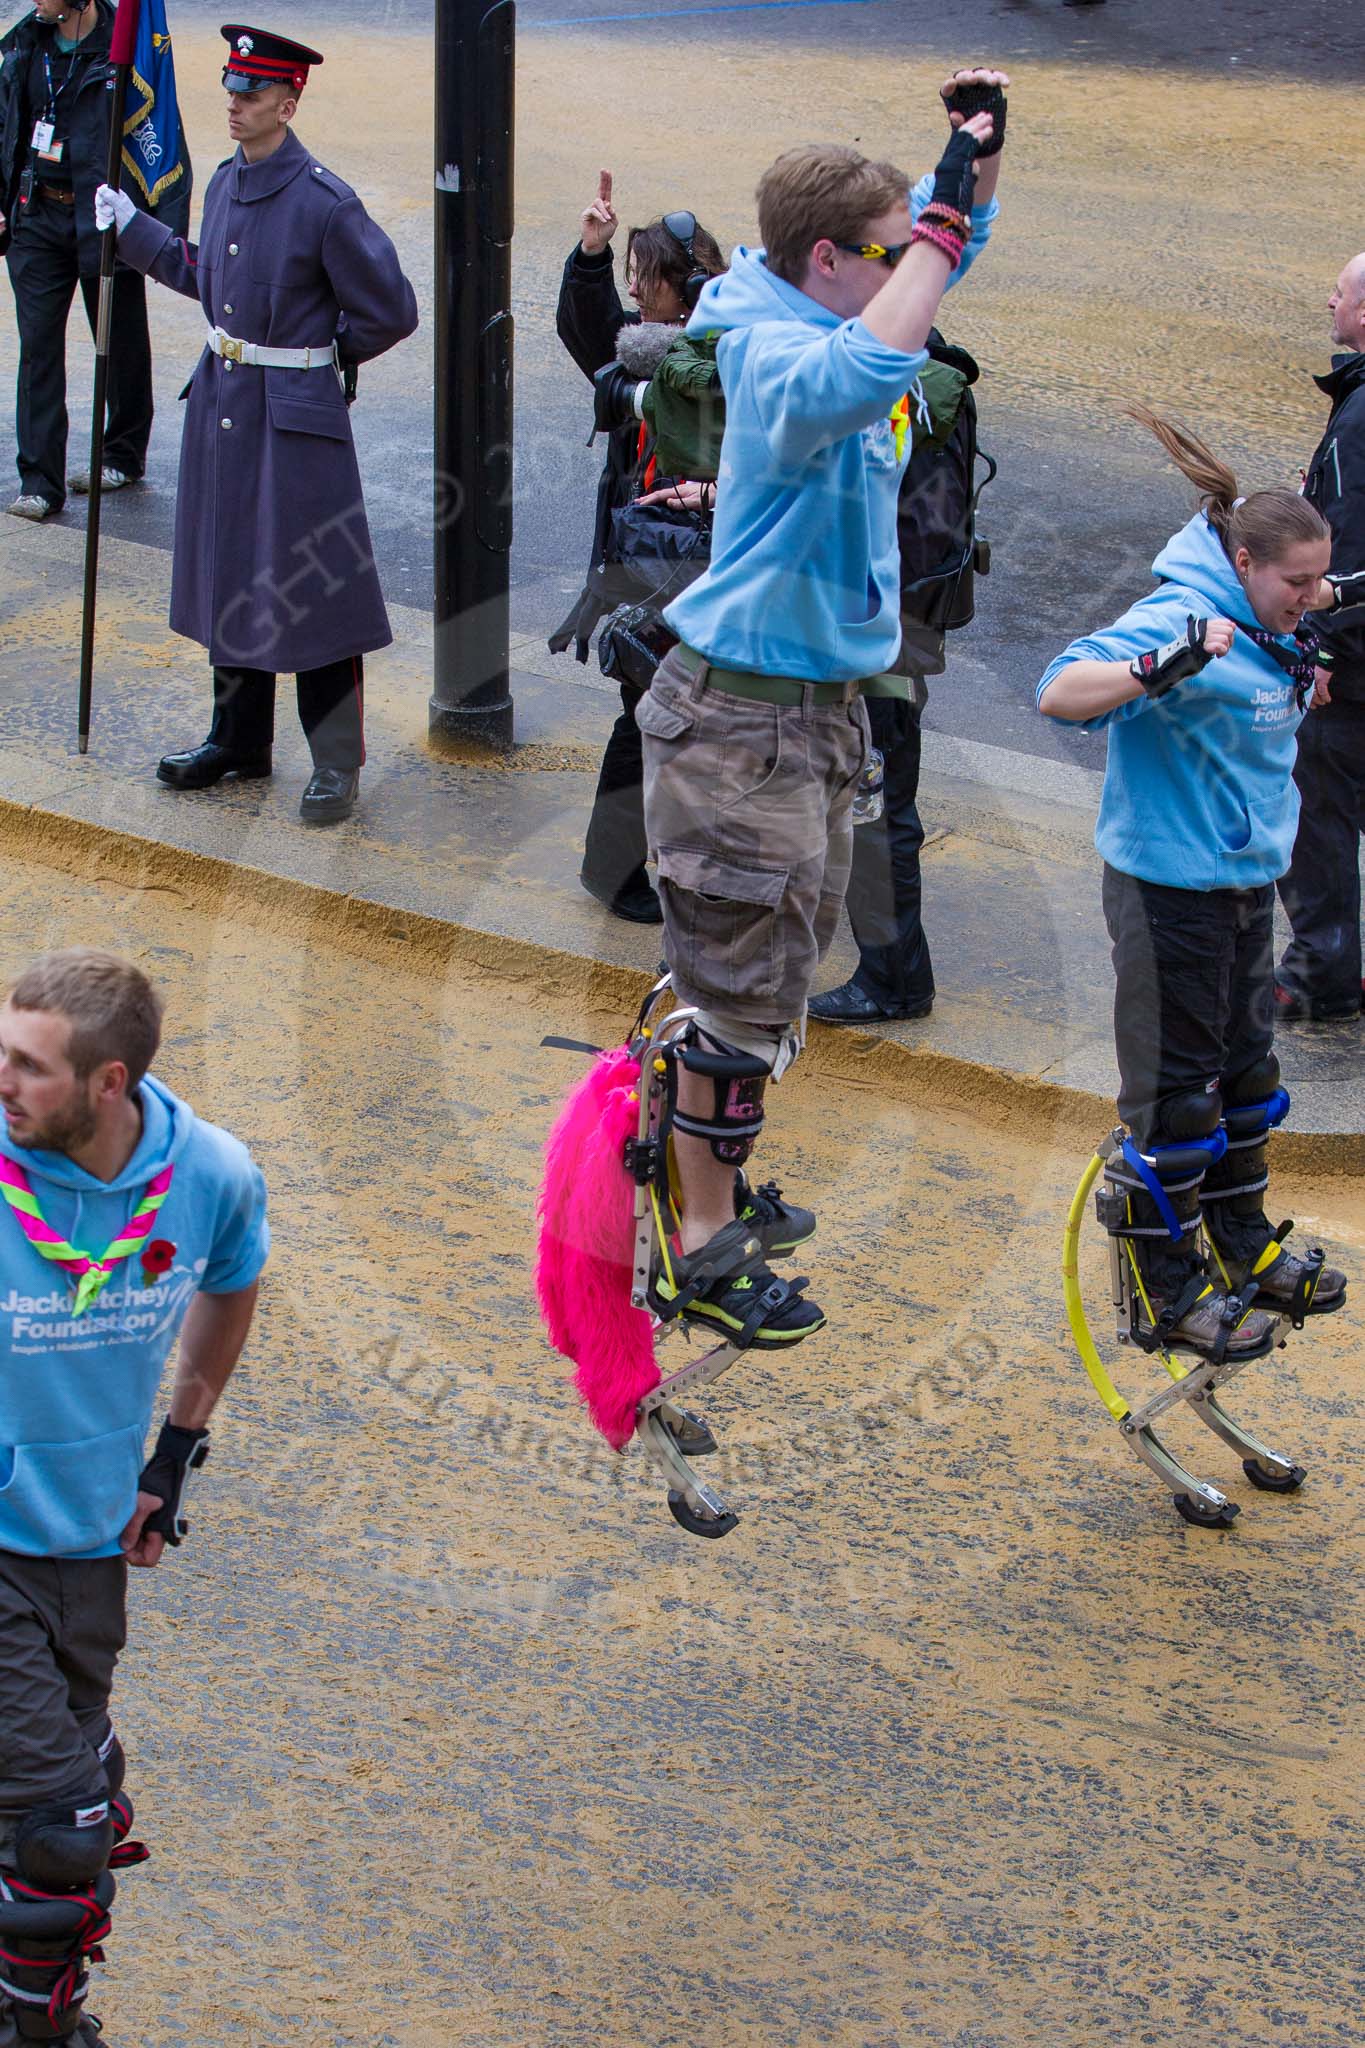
point(77, 1393)
point(804, 578)
point(1198, 788)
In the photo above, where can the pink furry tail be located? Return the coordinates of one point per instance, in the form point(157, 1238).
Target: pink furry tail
point(587, 1247)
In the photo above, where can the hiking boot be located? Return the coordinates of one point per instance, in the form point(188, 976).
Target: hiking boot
point(1288, 1286)
point(1199, 1327)
point(780, 1227)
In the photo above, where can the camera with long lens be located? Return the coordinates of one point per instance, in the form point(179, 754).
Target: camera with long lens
point(617, 398)
point(619, 388)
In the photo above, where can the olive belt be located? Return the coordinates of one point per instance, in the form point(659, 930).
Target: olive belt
point(734, 682)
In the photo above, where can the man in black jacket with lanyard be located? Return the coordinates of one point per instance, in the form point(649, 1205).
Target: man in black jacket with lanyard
point(1320, 974)
point(56, 97)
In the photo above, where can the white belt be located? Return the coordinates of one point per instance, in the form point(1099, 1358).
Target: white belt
point(252, 353)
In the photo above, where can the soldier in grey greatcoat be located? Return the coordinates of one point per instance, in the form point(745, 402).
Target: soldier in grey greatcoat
point(274, 570)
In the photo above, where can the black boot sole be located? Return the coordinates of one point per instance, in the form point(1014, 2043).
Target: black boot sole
point(1329, 1307)
point(326, 814)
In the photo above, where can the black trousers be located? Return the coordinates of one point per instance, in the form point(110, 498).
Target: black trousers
point(62, 1625)
point(1321, 891)
point(615, 849)
point(894, 967)
point(44, 272)
point(1194, 994)
point(331, 711)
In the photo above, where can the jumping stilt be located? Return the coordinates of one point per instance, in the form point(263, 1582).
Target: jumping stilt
point(1196, 1385)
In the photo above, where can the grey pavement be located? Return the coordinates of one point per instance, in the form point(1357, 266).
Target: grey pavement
point(1011, 878)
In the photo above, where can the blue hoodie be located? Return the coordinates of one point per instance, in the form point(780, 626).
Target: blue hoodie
point(804, 578)
point(1198, 787)
point(76, 1394)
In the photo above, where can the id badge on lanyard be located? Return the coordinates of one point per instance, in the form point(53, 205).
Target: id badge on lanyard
point(45, 143)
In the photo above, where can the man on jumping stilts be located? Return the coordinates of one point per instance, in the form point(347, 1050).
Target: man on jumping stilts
point(755, 734)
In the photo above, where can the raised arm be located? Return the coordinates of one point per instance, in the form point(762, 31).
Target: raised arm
point(590, 315)
point(903, 311)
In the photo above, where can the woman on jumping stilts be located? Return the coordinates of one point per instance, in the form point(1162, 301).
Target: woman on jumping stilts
point(1203, 685)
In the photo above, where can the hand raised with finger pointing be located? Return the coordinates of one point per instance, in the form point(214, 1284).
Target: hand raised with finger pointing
point(598, 221)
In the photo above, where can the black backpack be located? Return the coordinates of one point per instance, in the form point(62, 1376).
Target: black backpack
point(941, 554)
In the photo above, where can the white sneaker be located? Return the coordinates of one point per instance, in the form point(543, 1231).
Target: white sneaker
point(28, 505)
point(110, 480)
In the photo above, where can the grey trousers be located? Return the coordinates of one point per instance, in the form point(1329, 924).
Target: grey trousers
point(63, 1623)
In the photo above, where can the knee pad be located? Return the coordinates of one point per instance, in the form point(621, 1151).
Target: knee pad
point(1195, 1115)
point(61, 1847)
point(1249, 1123)
point(1256, 1083)
point(738, 1080)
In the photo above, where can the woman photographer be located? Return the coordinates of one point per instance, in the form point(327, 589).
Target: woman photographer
point(1203, 685)
point(667, 263)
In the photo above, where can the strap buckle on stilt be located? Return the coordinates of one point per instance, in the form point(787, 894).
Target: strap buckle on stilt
point(769, 1301)
point(1174, 1313)
point(1306, 1286)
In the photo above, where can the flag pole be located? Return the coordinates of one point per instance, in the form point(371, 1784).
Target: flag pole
point(123, 42)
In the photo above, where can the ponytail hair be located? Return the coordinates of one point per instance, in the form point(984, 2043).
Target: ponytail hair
point(1267, 524)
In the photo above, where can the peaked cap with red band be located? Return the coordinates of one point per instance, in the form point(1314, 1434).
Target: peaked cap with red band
point(260, 59)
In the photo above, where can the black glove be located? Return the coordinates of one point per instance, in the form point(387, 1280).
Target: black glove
point(981, 99)
point(954, 184)
point(178, 1453)
point(1350, 590)
point(1179, 659)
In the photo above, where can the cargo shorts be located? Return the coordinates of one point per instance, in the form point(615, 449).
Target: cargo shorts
point(748, 810)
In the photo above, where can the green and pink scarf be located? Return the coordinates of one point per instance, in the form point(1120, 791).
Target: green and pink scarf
point(90, 1275)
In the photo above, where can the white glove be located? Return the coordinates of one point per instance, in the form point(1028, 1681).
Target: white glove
point(112, 209)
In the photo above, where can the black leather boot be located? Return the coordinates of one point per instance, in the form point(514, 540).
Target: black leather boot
point(330, 796)
point(201, 767)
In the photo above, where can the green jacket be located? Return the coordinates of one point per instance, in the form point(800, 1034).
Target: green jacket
point(684, 407)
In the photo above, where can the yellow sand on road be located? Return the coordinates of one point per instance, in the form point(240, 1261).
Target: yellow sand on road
point(443, 1734)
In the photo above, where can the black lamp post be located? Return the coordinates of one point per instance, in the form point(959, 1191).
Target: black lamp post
point(475, 42)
